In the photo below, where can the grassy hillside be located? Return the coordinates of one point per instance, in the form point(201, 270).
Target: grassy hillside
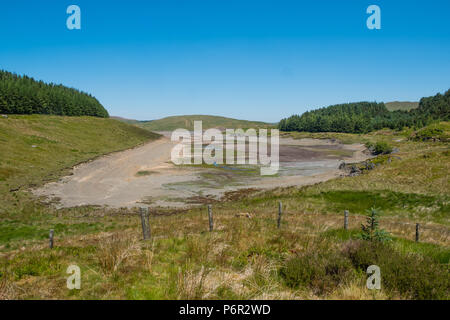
point(35, 148)
point(187, 122)
point(309, 257)
point(401, 105)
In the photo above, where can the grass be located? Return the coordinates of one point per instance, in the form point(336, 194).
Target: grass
point(144, 173)
point(243, 258)
point(360, 201)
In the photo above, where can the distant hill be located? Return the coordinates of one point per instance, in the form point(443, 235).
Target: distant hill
point(187, 122)
point(25, 95)
point(125, 120)
point(401, 105)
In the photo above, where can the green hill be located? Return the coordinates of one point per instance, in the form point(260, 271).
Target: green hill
point(35, 148)
point(401, 105)
point(187, 122)
point(129, 121)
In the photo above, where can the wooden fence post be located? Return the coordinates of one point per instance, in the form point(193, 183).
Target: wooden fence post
point(346, 220)
point(50, 238)
point(417, 232)
point(145, 220)
point(280, 212)
point(210, 215)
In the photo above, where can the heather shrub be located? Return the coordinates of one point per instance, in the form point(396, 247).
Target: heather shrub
point(410, 275)
point(322, 272)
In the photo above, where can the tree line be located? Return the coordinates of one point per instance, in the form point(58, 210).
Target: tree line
point(363, 117)
point(24, 95)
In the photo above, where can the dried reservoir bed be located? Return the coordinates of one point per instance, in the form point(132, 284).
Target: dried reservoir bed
point(146, 176)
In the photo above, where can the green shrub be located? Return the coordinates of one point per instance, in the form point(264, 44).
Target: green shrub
point(382, 148)
point(411, 275)
point(369, 145)
point(322, 272)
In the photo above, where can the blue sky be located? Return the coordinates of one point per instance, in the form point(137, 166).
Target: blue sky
point(257, 60)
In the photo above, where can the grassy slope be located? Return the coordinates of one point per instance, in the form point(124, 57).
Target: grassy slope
point(401, 105)
point(37, 148)
point(242, 257)
point(187, 122)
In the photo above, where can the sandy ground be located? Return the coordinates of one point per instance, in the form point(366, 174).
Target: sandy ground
point(113, 180)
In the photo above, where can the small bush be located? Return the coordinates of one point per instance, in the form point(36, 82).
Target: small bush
point(369, 145)
point(410, 275)
point(322, 272)
point(382, 148)
point(114, 251)
point(430, 134)
point(191, 285)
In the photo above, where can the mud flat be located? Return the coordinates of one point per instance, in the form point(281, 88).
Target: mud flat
point(146, 176)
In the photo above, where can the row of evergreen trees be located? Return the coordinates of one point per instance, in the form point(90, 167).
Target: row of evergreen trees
point(362, 117)
point(24, 95)
point(434, 107)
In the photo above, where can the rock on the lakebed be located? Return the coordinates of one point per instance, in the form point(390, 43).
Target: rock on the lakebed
point(369, 165)
point(355, 171)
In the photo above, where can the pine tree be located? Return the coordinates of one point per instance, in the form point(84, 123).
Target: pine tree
point(371, 231)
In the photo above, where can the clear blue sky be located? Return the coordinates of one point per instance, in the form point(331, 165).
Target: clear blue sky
point(258, 60)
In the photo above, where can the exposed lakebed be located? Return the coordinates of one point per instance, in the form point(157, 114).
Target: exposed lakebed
point(145, 176)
